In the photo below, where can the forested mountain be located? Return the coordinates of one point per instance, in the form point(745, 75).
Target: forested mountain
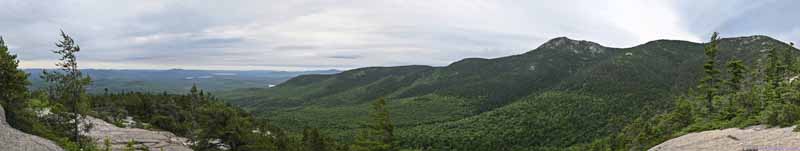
point(61, 110)
point(177, 80)
point(564, 93)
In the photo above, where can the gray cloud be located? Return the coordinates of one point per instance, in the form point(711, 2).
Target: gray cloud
point(294, 47)
point(742, 18)
point(345, 57)
point(318, 34)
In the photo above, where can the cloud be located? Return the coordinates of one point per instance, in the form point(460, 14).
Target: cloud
point(317, 34)
point(346, 56)
point(294, 47)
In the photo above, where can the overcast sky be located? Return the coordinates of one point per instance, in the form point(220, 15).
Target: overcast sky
point(327, 34)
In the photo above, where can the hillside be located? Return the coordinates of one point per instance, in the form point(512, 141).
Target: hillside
point(563, 93)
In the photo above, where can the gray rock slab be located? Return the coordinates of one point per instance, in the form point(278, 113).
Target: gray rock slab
point(14, 140)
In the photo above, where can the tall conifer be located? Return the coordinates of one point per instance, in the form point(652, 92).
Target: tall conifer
point(14, 82)
point(69, 85)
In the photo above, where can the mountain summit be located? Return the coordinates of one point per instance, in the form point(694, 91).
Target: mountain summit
point(576, 46)
point(563, 93)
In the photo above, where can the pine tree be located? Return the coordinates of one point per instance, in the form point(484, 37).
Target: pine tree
point(312, 140)
point(774, 75)
point(69, 84)
point(194, 96)
point(737, 70)
point(282, 140)
point(709, 82)
point(779, 110)
point(14, 82)
point(378, 135)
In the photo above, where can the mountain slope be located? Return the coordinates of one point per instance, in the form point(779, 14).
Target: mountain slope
point(448, 107)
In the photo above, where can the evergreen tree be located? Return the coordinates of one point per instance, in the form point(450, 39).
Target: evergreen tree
point(737, 70)
point(312, 140)
point(378, 135)
point(14, 82)
point(708, 83)
point(779, 109)
point(194, 97)
point(775, 72)
point(282, 141)
point(69, 84)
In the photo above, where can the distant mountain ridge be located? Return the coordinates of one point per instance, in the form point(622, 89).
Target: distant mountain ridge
point(565, 92)
point(178, 80)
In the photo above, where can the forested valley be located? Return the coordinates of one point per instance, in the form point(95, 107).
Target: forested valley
point(209, 123)
point(565, 95)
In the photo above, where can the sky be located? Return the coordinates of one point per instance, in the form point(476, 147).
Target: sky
point(345, 34)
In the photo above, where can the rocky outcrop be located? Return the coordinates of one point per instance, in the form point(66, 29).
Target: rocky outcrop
point(14, 140)
point(751, 138)
point(119, 137)
point(576, 46)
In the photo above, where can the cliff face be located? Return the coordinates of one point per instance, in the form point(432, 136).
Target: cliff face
point(751, 138)
point(14, 140)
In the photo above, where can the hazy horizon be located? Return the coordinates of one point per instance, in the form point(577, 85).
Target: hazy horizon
point(165, 69)
point(321, 35)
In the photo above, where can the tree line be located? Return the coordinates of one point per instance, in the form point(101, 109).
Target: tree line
point(57, 112)
point(764, 93)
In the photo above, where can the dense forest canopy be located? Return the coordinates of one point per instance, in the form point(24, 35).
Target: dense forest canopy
point(58, 111)
point(564, 95)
